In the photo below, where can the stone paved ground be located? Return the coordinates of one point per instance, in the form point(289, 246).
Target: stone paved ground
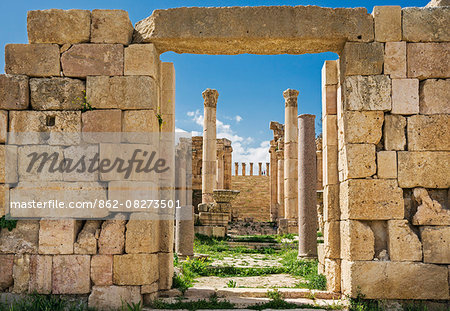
point(248, 261)
point(269, 281)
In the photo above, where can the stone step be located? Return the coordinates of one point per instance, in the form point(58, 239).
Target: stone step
point(292, 293)
point(241, 303)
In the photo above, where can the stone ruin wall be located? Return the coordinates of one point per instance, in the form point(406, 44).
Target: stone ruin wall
point(386, 151)
point(386, 155)
point(223, 155)
point(71, 54)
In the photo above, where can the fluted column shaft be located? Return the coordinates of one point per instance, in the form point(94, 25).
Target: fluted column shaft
point(290, 155)
point(209, 145)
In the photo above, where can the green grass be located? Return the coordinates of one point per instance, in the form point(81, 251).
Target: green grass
point(217, 248)
point(211, 303)
point(36, 302)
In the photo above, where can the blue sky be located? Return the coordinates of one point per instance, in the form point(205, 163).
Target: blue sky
point(250, 86)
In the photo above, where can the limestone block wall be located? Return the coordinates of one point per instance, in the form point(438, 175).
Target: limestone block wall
point(71, 55)
point(253, 200)
point(386, 156)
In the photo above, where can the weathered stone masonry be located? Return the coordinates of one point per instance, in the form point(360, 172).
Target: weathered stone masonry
point(386, 156)
point(391, 76)
point(72, 54)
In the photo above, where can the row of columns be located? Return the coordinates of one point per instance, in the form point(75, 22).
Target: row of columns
point(295, 169)
point(294, 174)
point(244, 172)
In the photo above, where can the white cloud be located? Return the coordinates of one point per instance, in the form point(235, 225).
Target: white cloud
point(238, 118)
point(242, 149)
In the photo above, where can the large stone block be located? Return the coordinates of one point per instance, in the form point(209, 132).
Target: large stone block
point(405, 96)
point(423, 169)
point(29, 172)
point(83, 60)
point(111, 26)
point(86, 243)
point(426, 24)
point(395, 59)
point(388, 23)
point(246, 29)
point(357, 241)
point(394, 280)
point(4, 199)
point(21, 273)
point(102, 270)
point(112, 297)
point(22, 239)
point(357, 161)
point(140, 121)
point(112, 237)
point(167, 105)
point(135, 269)
point(403, 242)
point(142, 60)
point(361, 59)
point(330, 72)
point(331, 210)
point(58, 26)
point(57, 236)
point(40, 274)
point(3, 126)
point(367, 93)
point(387, 164)
point(394, 132)
point(6, 271)
point(129, 92)
point(332, 240)
point(35, 60)
point(8, 164)
point(371, 199)
point(142, 236)
point(71, 274)
point(14, 92)
point(436, 244)
point(361, 127)
point(429, 133)
point(434, 96)
point(330, 165)
point(96, 121)
point(429, 212)
point(329, 130)
point(166, 235)
point(329, 99)
point(428, 60)
point(63, 127)
point(166, 270)
point(57, 94)
point(333, 275)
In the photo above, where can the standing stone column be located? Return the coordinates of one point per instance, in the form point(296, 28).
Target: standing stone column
point(251, 169)
point(220, 170)
point(236, 168)
point(243, 169)
point(273, 182)
point(280, 182)
point(290, 154)
point(227, 167)
point(209, 145)
point(307, 184)
point(260, 168)
point(267, 168)
point(184, 230)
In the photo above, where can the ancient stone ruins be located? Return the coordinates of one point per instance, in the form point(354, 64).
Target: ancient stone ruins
point(383, 163)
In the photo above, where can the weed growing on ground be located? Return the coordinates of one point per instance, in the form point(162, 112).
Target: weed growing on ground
point(36, 302)
point(211, 303)
point(231, 284)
